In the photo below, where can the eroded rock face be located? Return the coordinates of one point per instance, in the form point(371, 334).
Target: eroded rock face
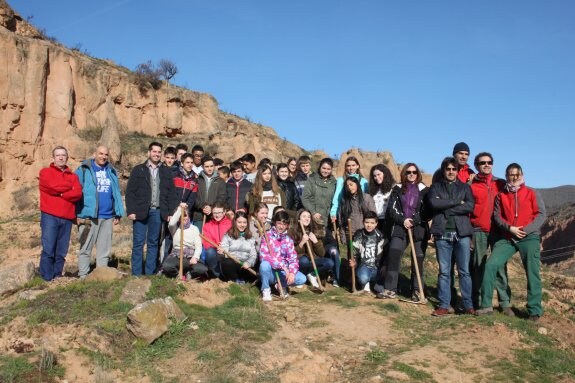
point(14, 277)
point(150, 320)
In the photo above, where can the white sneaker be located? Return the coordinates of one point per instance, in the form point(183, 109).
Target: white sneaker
point(366, 288)
point(313, 280)
point(267, 295)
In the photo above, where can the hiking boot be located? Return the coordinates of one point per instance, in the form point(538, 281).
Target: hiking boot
point(484, 311)
point(387, 294)
point(440, 312)
point(508, 311)
point(267, 295)
point(312, 280)
point(534, 318)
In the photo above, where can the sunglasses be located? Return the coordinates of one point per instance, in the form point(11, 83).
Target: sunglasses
point(409, 172)
point(485, 163)
point(451, 169)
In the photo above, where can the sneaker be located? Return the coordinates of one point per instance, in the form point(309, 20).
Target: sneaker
point(484, 311)
point(508, 311)
point(267, 295)
point(534, 318)
point(335, 284)
point(312, 280)
point(366, 288)
point(188, 276)
point(240, 281)
point(387, 294)
point(299, 286)
point(440, 312)
point(415, 297)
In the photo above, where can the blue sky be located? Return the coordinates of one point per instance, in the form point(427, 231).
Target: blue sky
point(411, 77)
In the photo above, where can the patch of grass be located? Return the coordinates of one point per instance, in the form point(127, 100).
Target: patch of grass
point(413, 372)
point(14, 369)
point(388, 307)
point(377, 356)
point(91, 133)
point(164, 287)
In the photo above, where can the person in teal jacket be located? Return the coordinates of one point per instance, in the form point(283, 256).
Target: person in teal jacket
point(98, 210)
point(353, 169)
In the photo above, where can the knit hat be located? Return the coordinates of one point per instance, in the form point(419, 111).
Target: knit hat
point(461, 147)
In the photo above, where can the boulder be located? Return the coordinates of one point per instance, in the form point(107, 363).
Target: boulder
point(135, 291)
point(103, 274)
point(14, 277)
point(150, 320)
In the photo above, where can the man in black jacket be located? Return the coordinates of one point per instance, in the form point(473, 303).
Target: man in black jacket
point(143, 208)
point(451, 201)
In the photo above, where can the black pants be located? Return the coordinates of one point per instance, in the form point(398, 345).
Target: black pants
point(171, 267)
point(393, 262)
point(231, 271)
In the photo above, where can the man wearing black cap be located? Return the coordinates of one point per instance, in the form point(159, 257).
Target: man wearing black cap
point(461, 154)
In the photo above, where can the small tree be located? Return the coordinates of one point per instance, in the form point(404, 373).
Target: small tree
point(147, 75)
point(167, 69)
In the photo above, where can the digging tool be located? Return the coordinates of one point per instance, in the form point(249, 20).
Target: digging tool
point(181, 275)
point(312, 258)
point(422, 299)
point(265, 237)
point(350, 254)
point(336, 233)
point(228, 255)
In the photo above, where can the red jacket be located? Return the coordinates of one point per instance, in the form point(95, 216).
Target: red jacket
point(59, 190)
point(484, 189)
point(215, 231)
point(464, 173)
point(525, 209)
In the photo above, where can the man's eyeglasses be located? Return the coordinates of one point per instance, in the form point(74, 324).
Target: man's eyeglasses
point(485, 163)
point(451, 169)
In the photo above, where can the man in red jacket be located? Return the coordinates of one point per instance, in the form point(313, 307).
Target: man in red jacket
point(485, 187)
point(519, 213)
point(59, 190)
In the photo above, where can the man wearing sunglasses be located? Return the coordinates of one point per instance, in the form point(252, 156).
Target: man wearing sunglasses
point(451, 202)
point(518, 213)
point(485, 187)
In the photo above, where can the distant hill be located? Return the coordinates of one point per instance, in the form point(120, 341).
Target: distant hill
point(557, 197)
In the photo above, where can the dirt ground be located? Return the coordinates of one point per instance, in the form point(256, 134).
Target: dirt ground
point(318, 339)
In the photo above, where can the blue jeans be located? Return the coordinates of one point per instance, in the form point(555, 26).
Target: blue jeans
point(333, 254)
point(323, 264)
point(459, 250)
point(146, 230)
point(55, 242)
point(365, 274)
point(211, 260)
point(267, 275)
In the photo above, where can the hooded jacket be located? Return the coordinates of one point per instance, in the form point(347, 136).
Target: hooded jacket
point(236, 193)
point(87, 206)
point(283, 254)
point(215, 230)
point(318, 194)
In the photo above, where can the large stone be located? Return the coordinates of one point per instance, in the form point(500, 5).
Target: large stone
point(135, 291)
point(104, 274)
point(14, 277)
point(150, 320)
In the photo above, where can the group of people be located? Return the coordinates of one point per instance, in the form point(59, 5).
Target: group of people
point(203, 219)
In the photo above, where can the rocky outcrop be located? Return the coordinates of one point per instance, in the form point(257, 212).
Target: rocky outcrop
point(150, 320)
point(558, 235)
point(104, 274)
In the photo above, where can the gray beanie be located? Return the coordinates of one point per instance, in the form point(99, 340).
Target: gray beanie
point(461, 147)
